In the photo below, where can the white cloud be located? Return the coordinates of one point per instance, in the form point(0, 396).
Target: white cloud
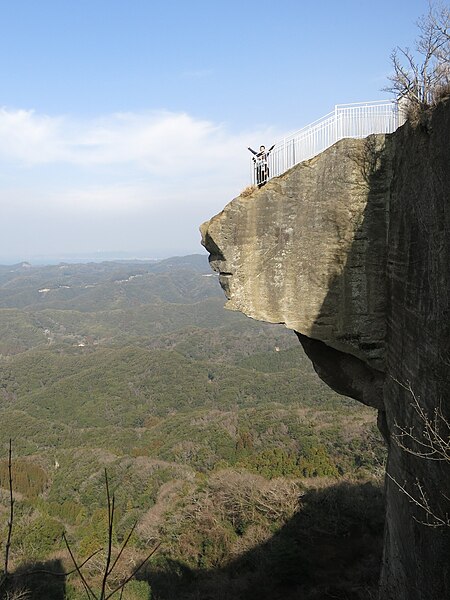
point(161, 143)
point(30, 138)
point(118, 180)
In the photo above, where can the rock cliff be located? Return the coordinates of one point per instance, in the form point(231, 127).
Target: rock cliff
point(351, 250)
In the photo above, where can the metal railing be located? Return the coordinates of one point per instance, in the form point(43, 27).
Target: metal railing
point(356, 120)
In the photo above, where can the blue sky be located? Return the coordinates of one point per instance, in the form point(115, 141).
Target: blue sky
point(123, 125)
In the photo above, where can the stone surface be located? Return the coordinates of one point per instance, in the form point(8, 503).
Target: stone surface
point(308, 249)
point(351, 250)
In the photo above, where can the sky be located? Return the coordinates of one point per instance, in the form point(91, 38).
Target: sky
point(124, 125)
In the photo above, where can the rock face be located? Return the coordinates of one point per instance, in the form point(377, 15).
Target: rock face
point(351, 250)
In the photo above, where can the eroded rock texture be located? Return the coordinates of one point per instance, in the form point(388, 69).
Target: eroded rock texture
point(352, 251)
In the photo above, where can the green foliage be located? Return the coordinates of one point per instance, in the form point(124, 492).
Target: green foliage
point(137, 590)
point(207, 422)
point(68, 512)
point(39, 536)
point(279, 462)
point(29, 479)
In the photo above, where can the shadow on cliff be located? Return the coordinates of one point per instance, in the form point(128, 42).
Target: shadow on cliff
point(395, 291)
point(359, 291)
point(36, 581)
point(331, 548)
point(403, 324)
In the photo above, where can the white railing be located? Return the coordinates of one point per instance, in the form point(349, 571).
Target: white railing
point(346, 121)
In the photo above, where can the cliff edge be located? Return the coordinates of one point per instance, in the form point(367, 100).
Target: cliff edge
point(351, 250)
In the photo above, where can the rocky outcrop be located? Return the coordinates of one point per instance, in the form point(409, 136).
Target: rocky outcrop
point(351, 250)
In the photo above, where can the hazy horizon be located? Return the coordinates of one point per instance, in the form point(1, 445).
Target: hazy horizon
point(95, 257)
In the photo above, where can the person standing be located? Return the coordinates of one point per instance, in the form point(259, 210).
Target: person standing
point(261, 164)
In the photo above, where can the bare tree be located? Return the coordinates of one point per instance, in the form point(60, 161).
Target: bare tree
point(429, 440)
point(4, 576)
point(109, 588)
point(422, 75)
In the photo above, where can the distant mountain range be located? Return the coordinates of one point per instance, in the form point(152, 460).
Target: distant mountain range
point(83, 257)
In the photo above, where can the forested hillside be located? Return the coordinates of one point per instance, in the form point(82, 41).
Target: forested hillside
point(218, 438)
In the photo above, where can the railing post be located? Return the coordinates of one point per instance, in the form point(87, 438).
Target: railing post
point(335, 123)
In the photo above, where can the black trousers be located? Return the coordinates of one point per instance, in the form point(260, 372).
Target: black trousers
point(262, 173)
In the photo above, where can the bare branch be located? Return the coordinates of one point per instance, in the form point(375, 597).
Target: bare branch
point(133, 573)
point(111, 502)
point(11, 510)
point(64, 573)
point(87, 587)
point(433, 441)
point(433, 519)
point(124, 545)
point(429, 440)
point(420, 77)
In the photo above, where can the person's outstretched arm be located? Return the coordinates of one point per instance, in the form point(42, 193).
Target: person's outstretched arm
point(252, 151)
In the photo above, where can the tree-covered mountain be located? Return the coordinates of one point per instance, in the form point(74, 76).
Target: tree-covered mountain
point(137, 367)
